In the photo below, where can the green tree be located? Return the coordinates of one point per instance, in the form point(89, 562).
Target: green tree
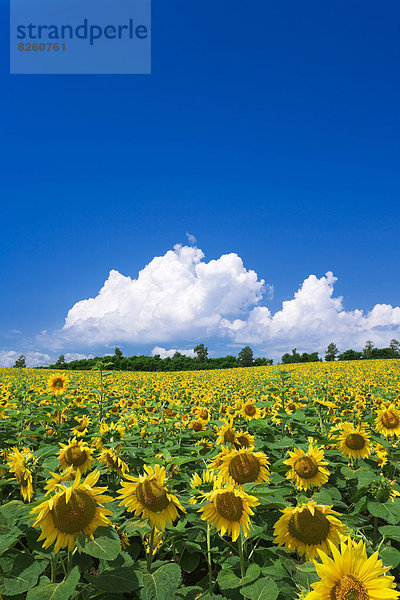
point(350, 355)
point(202, 353)
point(331, 352)
point(245, 357)
point(367, 350)
point(118, 353)
point(20, 363)
point(394, 347)
point(60, 361)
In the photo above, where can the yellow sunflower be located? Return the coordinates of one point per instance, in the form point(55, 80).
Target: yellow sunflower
point(113, 461)
point(201, 485)
point(75, 454)
point(76, 508)
point(226, 433)
point(350, 575)
point(82, 428)
point(307, 528)
point(244, 440)
point(228, 510)
point(250, 410)
point(353, 442)
point(307, 468)
point(198, 425)
point(148, 497)
point(19, 463)
point(388, 421)
point(57, 384)
point(244, 466)
point(67, 475)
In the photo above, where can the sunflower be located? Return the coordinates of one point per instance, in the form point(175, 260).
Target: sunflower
point(226, 433)
point(228, 510)
point(307, 468)
point(113, 461)
point(67, 475)
point(308, 527)
point(198, 425)
point(250, 411)
point(388, 421)
point(353, 442)
point(76, 508)
point(82, 428)
point(201, 485)
point(19, 463)
point(75, 454)
point(109, 435)
point(350, 575)
point(244, 466)
point(244, 440)
point(57, 384)
point(147, 497)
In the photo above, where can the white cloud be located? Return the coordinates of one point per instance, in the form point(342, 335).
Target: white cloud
point(33, 359)
point(191, 239)
point(179, 299)
point(313, 319)
point(164, 353)
point(176, 296)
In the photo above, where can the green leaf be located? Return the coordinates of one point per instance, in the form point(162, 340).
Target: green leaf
point(252, 573)
point(55, 591)
point(162, 584)
point(388, 511)
point(124, 579)
point(390, 531)
point(9, 539)
point(106, 543)
point(227, 580)
point(23, 575)
point(390, 556)
point(262, 589)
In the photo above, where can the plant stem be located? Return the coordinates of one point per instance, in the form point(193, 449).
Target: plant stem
point(53, 566)
point(241, 556)
point(375, 532)
point(150, 552)
point(210, 583)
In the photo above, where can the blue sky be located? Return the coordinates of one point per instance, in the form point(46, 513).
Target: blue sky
point(266, 130)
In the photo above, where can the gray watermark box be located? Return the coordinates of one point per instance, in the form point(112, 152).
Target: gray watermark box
point(80, 36)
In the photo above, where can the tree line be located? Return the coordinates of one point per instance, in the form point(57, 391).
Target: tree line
point(201, 360)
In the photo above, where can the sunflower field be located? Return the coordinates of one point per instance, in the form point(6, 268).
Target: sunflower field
point(267, 483)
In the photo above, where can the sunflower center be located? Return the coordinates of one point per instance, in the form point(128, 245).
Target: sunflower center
point(390, 420)
point(306, 467)
point(74, 516)
point(243, 441)
point(152, 496)
point(229, 436)
point(309, 529)
point(203, 414)
point(229, 506)
point(244, 468)
point(250, 410)
point(81, 427)
point(58, 384)
point(75, 456)
point(355, 441)
point(197, 426)
point(349, 588)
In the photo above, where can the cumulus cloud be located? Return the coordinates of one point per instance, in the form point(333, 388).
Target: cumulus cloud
point(313, 319)
point(175, 297)
point(179, 299)
point(33, 359)
point(163, 353)
point(191, 239)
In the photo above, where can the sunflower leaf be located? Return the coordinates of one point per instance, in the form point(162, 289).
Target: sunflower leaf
point(106, 544)
point(162, 584)
point(55, 591)
point(262, 589)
